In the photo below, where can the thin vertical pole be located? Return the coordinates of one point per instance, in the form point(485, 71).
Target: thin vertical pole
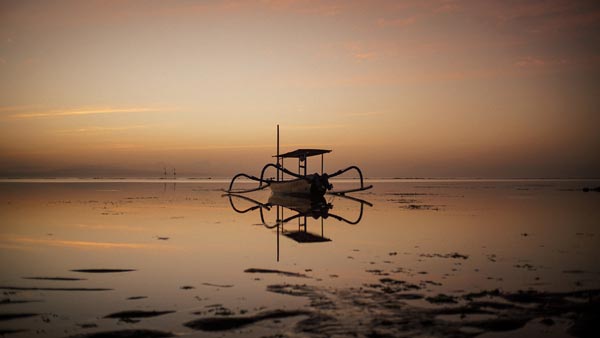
point(278, 224)
point(321, 164)
point(278, 156)
point(322, 235)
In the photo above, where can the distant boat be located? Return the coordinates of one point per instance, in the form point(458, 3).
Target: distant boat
point(301, 183)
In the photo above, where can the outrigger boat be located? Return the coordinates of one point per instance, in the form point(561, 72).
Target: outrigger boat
point(302, 184)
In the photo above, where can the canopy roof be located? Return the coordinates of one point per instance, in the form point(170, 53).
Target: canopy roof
point(298, 153)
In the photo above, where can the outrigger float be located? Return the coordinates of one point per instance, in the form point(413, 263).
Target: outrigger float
point(302, 184)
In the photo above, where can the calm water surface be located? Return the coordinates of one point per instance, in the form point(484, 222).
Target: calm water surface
point(190, 251)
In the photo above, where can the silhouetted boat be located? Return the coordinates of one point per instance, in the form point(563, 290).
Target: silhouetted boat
point(301, 183)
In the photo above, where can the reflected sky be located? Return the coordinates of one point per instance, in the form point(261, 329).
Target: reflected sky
point(506, 234)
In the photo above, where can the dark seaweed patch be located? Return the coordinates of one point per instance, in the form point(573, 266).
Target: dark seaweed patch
point(17, 301)
point(421, 207)
point(19, 288)
point(136, 297)
point(11, 316)
point(137, 314)
point(454, 255)
point(278, 272)
point(141, 333)
point(102, 270)
point(218, 285)
point(441, 299)
point(4, 332)
point(229, 323)
point(55, 278)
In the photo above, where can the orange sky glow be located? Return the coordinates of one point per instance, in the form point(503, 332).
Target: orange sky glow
point(432, 88)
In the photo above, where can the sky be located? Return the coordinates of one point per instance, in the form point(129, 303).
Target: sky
point(427, 88)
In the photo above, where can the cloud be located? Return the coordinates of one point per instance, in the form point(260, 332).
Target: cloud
point(365, 114)
point(315, 126)
point(359, 51)
point(365, 56)
point(398, 22)
point(534, 62)
point(79, 112)
point(12, 109)
point(96, 129)
point(306, 7)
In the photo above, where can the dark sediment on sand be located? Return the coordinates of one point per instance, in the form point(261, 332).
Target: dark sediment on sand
point(421, 207)
point(140, 333)
point(19, 288)
point(216, 309)
point(136, 297)
point(4, 332)
point(278, 272)
point(11, 316)
point(137, 314)
point(55, 278)
point(7, 301)
point(454, 255)
point(102, 270)
point(218, 285)
point(342, 311)
point(229, 323)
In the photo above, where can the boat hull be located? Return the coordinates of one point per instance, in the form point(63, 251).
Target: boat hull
point(299, 187)
point(311, 185)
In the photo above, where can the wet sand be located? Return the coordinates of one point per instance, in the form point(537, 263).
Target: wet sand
point(429, 258)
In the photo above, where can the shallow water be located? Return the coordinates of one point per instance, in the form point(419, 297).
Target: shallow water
point(189, 251)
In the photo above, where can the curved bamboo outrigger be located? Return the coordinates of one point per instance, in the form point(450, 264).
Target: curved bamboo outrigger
point(317, 209)
point(302, 209)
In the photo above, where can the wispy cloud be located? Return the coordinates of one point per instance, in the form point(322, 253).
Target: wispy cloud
point(359, 51)
point(14, 109)
point(80, 112)
point(315, 126)
point(365, 114)
point(398, 22)
point(306, 7)
point(239, 146)
point(365, 56)
point(97, 129)
point(535, 62)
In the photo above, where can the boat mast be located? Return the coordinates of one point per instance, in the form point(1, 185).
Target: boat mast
point(278, 153)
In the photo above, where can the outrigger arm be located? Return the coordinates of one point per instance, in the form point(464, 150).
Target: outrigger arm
point(362, 186)
point(260, 180)
point(264, 183)
point(262, 206)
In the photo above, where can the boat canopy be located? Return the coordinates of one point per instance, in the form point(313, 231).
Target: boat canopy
point(303, 153)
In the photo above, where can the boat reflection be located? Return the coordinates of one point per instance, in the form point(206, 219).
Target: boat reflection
point(302, 209)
